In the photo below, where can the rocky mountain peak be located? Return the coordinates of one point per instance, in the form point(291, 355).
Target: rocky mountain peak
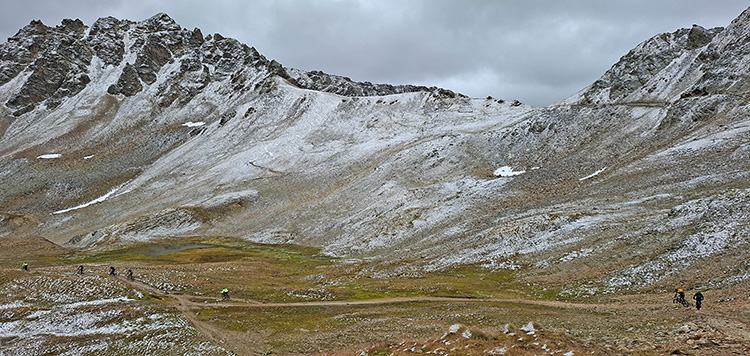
point(631, 74)
point(159, 22)
point(59, 69)
point(34, 28)
point(650, 72)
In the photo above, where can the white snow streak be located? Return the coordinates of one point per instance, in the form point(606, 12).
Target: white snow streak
point(50, 156)
point(97, 200)
point(592, 175)
point(194, 124)
point(11, 305)
point(507, 171)
point(95, 302)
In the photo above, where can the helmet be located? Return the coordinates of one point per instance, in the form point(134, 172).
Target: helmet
point(679, 291)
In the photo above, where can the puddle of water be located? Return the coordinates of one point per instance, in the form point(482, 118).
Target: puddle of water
point(158, 251)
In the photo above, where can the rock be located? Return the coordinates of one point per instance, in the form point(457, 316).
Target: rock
point(73, 25)
point(106, 40)
point(128, 84)
point(698, 37)
point(152, 57)
point(196, 38)
point(529, 328)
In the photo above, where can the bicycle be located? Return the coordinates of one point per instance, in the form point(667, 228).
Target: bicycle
point(680, 300)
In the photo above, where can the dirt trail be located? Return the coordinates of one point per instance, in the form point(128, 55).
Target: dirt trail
point(233, 341)
point(733, 330)
point(253, 344)
point(393, 300)
point(236, 342)
point(726, 319)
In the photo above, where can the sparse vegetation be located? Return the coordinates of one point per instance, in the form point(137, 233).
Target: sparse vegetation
point(350, 308)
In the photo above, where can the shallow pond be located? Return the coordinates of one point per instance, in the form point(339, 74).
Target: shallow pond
point(161, 250)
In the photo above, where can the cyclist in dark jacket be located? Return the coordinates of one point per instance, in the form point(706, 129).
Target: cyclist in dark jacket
point(698, 297)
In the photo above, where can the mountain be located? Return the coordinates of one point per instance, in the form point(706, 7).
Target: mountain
point(124, 132)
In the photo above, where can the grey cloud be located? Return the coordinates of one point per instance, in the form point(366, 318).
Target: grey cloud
point(535, 51)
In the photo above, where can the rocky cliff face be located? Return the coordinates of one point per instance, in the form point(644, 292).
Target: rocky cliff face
point(128, 131)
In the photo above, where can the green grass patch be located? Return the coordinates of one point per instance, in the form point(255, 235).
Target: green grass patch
point(199, 250)
point(275, 321)
point(467, 281)
point(289, 273)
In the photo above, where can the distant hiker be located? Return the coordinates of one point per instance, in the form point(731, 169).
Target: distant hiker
point(25, 266)
point(225, 293)
point(111, 271)
point(80, 269)
point(130, 274)
point(698, 297)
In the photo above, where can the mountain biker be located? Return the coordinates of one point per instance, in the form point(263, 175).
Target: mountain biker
point(25, 266)
point(130, 274)
point(698, 297)
point(225, 293)
point(80, 269)
point(111, 271)
point(679, 297)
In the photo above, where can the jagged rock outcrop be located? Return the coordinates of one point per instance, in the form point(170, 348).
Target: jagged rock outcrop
point(128, 84)
point(58, 59)
point(642, 64)
point(55, 58)
point(317, 80)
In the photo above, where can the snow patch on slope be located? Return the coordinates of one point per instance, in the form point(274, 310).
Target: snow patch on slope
point(592, 175)
point(50, 156)
point(95, 201)
point(507, 171)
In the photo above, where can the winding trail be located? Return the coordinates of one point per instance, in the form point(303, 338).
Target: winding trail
point(721, 324)
point(249, 343)
point(249, 303)
point(235, 342)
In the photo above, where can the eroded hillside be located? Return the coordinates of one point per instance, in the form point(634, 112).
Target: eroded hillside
point(124, 132)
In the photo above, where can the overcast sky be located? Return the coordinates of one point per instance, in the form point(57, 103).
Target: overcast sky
point(536, 51)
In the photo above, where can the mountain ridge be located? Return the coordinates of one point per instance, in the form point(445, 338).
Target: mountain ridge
point(164, 132)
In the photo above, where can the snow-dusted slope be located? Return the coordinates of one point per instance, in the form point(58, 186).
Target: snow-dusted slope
point(148, 130)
